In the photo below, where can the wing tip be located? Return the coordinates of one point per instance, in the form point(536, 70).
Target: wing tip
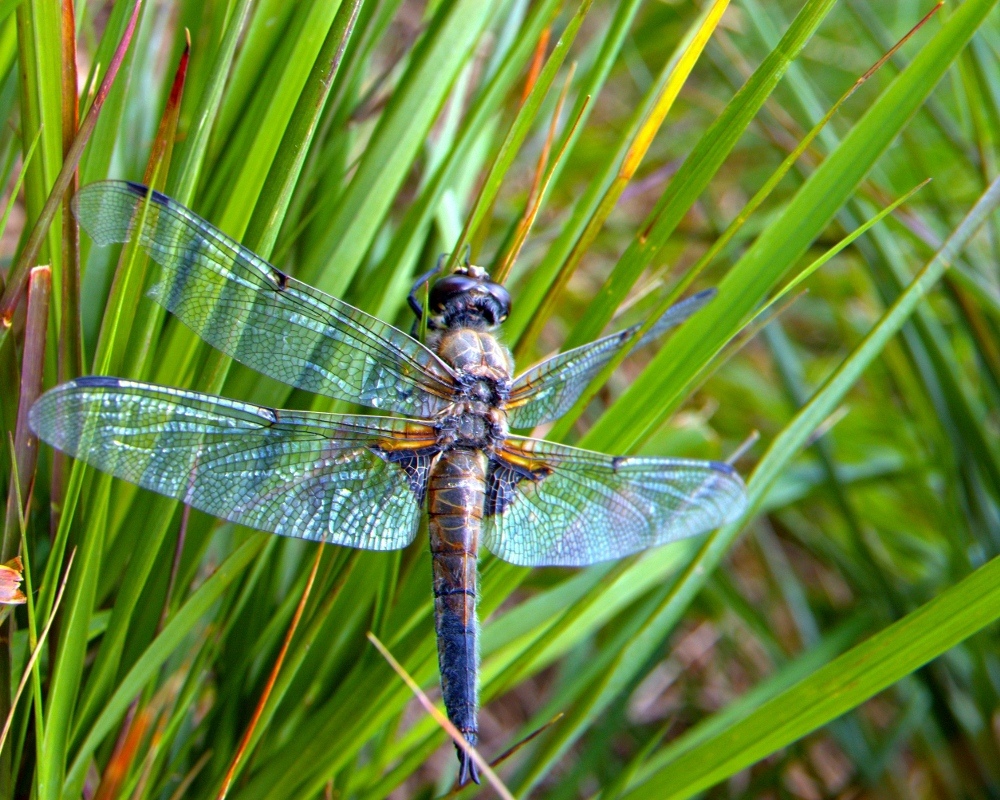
point(38, 408)
point(48, 405)
point(737, 491)
point(133, 188)
point(108, 225)
point(45, 415)
point(703, 296)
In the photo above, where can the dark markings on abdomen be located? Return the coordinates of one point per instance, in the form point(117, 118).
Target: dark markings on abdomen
point(455, 496)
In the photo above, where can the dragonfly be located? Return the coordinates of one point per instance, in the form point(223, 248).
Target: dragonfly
point(443, 447)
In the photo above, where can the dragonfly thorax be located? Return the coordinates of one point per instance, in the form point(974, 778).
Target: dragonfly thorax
point(481, 363)
point(472, 425)
point(482, 367)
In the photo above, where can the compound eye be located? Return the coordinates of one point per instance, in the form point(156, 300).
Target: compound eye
point(448, 288)
point(502, 298)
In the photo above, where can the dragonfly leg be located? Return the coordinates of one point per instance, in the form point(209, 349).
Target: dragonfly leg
point(413, 298)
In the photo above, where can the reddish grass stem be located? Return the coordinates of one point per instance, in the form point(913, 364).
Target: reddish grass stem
point(18, 278)
point(275, 670)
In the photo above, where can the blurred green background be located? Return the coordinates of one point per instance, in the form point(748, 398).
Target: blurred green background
point(836, 643)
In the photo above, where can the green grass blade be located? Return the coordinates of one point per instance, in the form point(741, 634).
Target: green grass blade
point(400, 134)
point(523, 122)
point(276, 194)
point(697, 170)
point(788, 443)
point(844, 683)
point(183, 623)
point(656, 393)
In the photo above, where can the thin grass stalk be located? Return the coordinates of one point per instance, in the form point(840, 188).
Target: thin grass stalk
point(852, 237)
point(37, 703)
point(36, 649)
point(22, 478)
point(520, 231)
point(71, 334)
point(687, 57)
point(543, 177)
point(17, 279)
point(15, 191)
point(515, 137)
point(248, 735)
point(536, 63)
point(442, 720)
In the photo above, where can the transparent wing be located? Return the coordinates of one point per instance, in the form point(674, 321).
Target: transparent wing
point(547, 504)
point(351, 480)
point(250, 310)
point(548, 390)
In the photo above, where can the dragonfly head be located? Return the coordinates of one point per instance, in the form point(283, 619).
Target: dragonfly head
point(467, 298)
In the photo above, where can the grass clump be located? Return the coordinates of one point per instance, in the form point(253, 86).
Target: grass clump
point(837, 642)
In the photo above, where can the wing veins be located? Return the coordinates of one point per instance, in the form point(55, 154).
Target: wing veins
point(198, 262)
point(297, 293)
point(301, 474)
point(581, 507)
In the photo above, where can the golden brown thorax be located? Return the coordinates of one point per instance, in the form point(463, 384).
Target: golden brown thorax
point(476, 353)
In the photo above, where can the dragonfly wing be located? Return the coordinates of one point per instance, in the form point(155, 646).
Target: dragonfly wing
point(548, 390)
point(250, 310)
point(352, 480)
point(547, 504)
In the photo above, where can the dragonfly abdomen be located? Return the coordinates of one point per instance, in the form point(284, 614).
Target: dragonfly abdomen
point(455, 498)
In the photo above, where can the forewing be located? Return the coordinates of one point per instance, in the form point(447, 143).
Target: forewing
point(548, 390)
point(548, 504)
point(352, 480)
point(250, 310)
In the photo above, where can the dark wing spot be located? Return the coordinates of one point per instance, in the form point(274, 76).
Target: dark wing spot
point(100, 381)
point(618, 461)
point(502, 479)
point(415, 463)
point(723, 467)
point(156, 197)
point(280, 279)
